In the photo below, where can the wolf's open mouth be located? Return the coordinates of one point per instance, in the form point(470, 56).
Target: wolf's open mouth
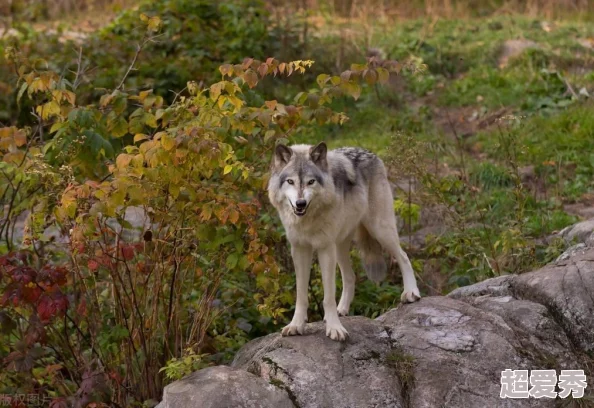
point(299, 212)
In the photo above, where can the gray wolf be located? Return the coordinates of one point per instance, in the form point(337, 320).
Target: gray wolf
point(326, 200)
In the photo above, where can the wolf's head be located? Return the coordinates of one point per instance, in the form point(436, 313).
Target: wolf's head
point(299, 175)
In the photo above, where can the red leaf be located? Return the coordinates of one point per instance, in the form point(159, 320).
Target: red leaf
point(52, 275)
point(35, 332)
point(60, 402)
point(93, 265)
point(51, 306)
point(24, 274)
point(10, 293)
point(247, 62)
point(81, 309)
point(31, 294)
point(128, 252)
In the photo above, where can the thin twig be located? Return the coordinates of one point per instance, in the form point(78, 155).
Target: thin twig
point(40, 126)
point(139, 48)
point(77, 78)
point(177, 94)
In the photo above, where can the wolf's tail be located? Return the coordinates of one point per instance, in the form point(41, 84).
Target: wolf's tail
point(371, 255)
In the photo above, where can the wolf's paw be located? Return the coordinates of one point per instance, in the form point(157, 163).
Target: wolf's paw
point(293, 329)
point(410, 296)
point(336, 332)
point(342, 309)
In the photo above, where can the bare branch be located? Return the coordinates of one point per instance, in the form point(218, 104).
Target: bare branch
point(79, 71)
point(139, 48)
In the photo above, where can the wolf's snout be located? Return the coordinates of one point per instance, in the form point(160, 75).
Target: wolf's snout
point(300, 204)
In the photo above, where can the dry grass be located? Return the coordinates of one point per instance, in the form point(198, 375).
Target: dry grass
point(56, 11)
point(373, 11)
point(395, 9)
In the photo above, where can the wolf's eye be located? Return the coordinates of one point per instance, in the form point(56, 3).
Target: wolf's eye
point(290, 181)
point(310, 182)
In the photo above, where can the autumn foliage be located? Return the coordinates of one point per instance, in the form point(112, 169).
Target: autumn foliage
point(166, 257)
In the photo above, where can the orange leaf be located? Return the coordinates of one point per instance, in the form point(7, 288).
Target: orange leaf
point(250, 78)
point(233, 216)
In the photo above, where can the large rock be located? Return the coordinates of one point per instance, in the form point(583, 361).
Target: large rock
point(218, 387)
point(439, 352)
point(319, 372)
point(582, 232)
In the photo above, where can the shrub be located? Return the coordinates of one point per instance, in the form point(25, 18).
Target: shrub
point(194, 38)
point(169, 260)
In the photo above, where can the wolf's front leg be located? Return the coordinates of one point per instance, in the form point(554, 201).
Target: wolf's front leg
point(302, 256)
point(334, 328)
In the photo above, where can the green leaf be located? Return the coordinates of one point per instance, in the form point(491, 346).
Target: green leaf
point(150, 120)
point(269, 135)
point(232, 260)
point(118, 127)
point(227, 169)
point(97, 143)
point(21, 91)
point(57, 126)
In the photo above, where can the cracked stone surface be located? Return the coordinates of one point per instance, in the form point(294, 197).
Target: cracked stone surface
point(222, 386)
point(443, 351)
point(320, 372)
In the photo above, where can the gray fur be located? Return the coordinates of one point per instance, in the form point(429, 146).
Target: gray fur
point(341, 179)
point(376, 271)
point(365, 163)
point(348, 198)
point(371, 255)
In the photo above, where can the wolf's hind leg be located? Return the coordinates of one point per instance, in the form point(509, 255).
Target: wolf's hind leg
point(348, 277)
point(387, 235)
point(302, 257)
point(411, 291)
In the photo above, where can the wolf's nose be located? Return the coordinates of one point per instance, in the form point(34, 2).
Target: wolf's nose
point(300, 204)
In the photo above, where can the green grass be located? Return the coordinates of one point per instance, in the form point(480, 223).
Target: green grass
point(496, 216)
point(559, 146)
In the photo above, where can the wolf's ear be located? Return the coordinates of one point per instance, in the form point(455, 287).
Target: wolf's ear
point(318, 155)
point(282, 155)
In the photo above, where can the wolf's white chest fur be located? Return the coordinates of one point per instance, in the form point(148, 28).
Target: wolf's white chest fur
point(323, 226)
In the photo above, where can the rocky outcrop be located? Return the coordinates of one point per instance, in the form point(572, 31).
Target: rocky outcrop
point(438, 352)
point(224, 387)
point(580, 233)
